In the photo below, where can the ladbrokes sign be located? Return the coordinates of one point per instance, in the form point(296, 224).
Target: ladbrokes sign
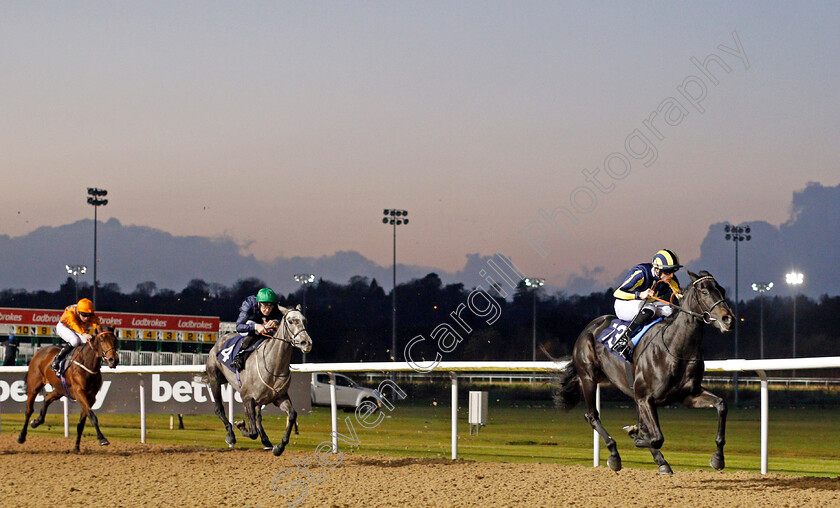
point(41, 322)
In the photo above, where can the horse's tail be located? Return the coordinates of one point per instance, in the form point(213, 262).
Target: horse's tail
point(568, 394)
point(566, 390)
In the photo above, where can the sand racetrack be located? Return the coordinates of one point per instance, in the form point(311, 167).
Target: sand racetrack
point(42, 472)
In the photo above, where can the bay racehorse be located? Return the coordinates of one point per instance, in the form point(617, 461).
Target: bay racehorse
point(83, 379)
point(667, 367)
point(265, 379)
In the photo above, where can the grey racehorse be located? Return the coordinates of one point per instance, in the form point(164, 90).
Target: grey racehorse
point(265, 379)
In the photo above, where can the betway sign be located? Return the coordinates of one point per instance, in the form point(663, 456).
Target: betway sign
point(48, 317)
point(164, 393)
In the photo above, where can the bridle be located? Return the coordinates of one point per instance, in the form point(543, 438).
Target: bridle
point(706, 316)
point(287, 330)
point(102, 354)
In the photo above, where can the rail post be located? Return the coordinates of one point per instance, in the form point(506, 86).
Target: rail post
point(454, 415)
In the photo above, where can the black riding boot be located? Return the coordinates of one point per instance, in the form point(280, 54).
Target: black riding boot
point(242, 355)
point(622, 344)
point(65, 348)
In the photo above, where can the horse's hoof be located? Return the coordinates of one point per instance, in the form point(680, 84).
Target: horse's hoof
point(614, 463)
point(104, 442)
point(21, 439)
point(36, 423)
point(278, 450)
point(268, 447)
point(631, 429)
point(717, 462)
point(230, 439)
point(665, 469)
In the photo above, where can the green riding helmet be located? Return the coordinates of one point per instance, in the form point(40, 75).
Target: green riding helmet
point(266, 295)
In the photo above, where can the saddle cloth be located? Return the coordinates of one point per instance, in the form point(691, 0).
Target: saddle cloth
point(231, 348)
point(608, 335)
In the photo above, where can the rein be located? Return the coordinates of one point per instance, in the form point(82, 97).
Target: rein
point(102, 354)
point(291, 341)
point(706, 316)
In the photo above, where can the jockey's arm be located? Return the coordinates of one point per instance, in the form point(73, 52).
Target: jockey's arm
point(630, 288)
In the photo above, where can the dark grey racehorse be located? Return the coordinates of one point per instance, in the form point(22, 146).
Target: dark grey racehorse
point(667, 368)
point(265, 379)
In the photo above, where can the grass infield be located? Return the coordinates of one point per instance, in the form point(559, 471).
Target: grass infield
point(802, 441)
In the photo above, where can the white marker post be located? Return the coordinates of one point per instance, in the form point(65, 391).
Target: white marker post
point(454, 415)
point(142, 411)
point(333, 413)
point(66, 417)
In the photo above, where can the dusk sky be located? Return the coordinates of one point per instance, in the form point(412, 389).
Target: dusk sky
point(290, 126)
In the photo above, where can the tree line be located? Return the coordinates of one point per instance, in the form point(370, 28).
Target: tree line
point(352, 322)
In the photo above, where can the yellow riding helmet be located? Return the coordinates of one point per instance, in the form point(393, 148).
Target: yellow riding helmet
point(85, 306)
point(666, 260)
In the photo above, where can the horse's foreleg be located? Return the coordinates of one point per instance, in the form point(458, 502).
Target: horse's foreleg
point(592, 416)
point(52, 396)
point(652, 437)
point(710, 400)
point(263, 436)
point(291, 419)
point(79, 428)
point(87, 411)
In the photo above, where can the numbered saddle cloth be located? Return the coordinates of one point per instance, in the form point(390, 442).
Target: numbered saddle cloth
point(609, 335)
point(231, 348)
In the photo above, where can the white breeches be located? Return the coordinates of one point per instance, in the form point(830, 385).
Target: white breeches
point(249, 322)
point(626, 310)
point(69, 336)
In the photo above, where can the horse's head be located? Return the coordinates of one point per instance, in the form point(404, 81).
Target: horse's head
point(707, 297)
point(293, 329)
point(104, 344)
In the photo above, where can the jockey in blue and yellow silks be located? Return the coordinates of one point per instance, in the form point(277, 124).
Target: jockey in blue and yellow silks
point(633, 297)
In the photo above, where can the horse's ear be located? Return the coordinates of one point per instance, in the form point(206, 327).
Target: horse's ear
point(283, 310)
point(692, 275)
point(298, 307)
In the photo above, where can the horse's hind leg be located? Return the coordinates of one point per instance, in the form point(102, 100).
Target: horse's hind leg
point(79, 428)
point(291, 419)
point(50, 398)
point(709, 399)
point(216, 390)
point(592, 416)
point(249, 428)
point(33, 387)
point(263, 436)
